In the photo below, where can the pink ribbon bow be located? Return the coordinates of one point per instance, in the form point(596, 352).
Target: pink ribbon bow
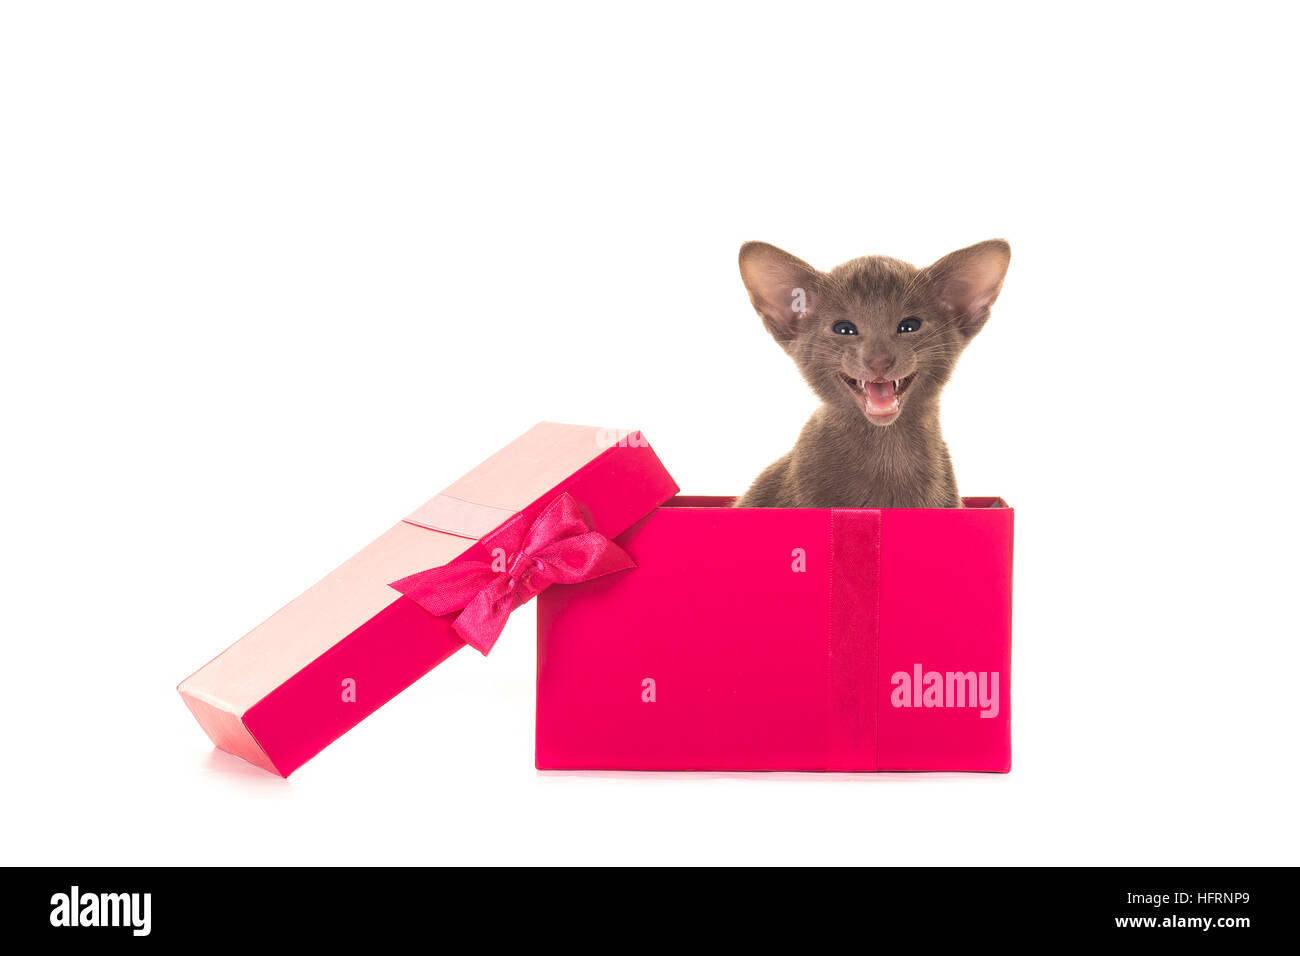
point(559, 547)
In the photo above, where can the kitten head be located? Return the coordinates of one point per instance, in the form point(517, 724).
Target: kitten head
point(875, 335)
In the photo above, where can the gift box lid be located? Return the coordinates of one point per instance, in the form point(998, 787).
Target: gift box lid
point(538, 512)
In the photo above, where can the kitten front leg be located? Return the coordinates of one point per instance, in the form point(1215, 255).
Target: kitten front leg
point(770, 489)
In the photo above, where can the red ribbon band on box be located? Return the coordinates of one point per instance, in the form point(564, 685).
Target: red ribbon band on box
point(853, 639)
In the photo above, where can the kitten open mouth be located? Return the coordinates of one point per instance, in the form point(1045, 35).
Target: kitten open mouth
point(879, 400)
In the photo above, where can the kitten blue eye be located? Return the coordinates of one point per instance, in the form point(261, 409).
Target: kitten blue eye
point(909, 324)
point(844, 328)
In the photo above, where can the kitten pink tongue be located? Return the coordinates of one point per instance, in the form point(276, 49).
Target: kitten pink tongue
point(881, 399)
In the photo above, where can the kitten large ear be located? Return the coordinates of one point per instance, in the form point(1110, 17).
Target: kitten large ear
point(966, 283)
point(784, 289)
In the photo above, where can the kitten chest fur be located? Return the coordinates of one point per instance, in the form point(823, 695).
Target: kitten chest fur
point(841, 461)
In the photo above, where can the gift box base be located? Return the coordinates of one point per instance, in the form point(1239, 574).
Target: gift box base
point(786, 640)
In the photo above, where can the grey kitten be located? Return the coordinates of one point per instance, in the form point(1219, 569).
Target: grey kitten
point(877, 340)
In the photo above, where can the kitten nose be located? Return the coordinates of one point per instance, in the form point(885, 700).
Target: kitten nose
point(878, 365)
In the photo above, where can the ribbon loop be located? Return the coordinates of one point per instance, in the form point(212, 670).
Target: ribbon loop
point(558, 548)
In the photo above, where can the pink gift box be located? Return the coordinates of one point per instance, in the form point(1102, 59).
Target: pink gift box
point(352, 642)
point(786, 639)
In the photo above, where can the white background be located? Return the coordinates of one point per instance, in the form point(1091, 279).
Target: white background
point(273, 274)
